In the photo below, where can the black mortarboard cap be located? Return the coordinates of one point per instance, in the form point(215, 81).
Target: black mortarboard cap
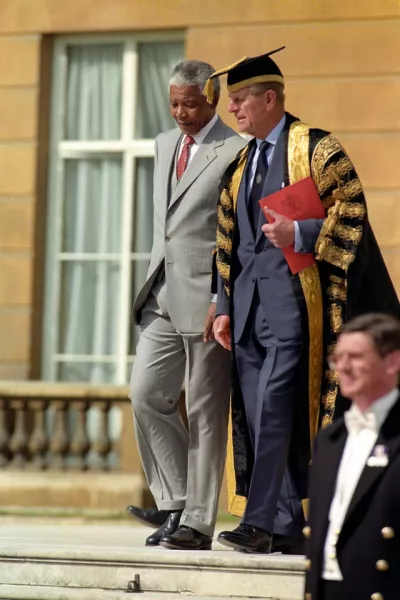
point(247, 71)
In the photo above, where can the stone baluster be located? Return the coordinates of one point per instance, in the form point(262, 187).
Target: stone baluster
point(101, 446)
point(19, 440)
point(59, 441)
point(38, 443)
point(80, 441)
point(4, 434)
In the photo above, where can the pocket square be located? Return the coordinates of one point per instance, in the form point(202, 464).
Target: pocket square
point(379, 457)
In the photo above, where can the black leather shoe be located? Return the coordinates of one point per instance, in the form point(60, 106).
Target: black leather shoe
point(247, 538)
point(287, 544)
point(187, 538)
point(169, 527)
point(149, 516)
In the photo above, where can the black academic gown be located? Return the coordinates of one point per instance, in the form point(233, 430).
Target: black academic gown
point(369, 289)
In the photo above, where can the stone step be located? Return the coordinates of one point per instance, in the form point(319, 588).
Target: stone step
point(18, 592)
point(104, 562)
point(52, 490)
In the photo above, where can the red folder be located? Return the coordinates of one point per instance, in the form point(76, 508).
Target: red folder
point(298, 202)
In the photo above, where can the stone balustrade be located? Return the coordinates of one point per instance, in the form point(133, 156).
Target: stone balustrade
point(60, 426)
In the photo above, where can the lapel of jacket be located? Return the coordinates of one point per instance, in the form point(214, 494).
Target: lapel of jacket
point(274, 179)
point(243, 195)
point(169, 163)
point(203, 157)
point(328, 462)
point(389, 436)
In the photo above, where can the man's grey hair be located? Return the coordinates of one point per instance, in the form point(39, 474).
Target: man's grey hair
point(260, 88)
point(194, 73)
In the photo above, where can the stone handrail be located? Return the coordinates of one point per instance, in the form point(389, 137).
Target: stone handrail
point(44, 425)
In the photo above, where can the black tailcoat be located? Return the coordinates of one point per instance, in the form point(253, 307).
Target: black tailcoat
point(368, 547)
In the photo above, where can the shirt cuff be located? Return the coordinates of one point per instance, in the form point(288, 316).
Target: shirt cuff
point(298, 242)
point(214, 298)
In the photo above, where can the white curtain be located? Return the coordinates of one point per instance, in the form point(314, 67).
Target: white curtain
point(156, 62)
point(92, 223)
point(91, 212)
point(92, 208)
point(142, 233)
point(94, 92)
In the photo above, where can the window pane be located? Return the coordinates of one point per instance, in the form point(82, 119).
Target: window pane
point(94, 92)
point(76, 371)
point(89, 307)
point(156, 62)
point(142, 233)
point(83, 319)
point(92, 205)
point(139, 271)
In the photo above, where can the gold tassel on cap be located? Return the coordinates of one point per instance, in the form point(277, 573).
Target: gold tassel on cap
point(208, 90)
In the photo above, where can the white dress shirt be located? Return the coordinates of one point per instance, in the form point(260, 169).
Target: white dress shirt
point(198, 139)
point(272, 139)
point(363, 430)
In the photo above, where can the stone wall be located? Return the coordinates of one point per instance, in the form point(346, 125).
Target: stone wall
point(19, 78)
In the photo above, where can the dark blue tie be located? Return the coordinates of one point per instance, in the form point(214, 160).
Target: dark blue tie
point(257, 187)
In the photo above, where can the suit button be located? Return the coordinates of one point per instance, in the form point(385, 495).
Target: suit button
point(387, 533)
point(307, 532)
point(377, 596)
point(382, 565)
point(167, 238)
point(253, 279)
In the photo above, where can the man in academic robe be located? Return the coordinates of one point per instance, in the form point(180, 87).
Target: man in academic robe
point(280, 325)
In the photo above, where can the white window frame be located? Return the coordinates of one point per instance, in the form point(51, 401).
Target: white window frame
point(129, 149)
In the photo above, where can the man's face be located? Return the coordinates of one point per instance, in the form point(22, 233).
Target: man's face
point(252, 111)
point(190, 108)
point(362, 371)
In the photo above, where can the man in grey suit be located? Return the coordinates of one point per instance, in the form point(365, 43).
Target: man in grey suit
point(184, 468)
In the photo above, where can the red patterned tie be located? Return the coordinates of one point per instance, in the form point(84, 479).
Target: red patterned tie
point(184, 156)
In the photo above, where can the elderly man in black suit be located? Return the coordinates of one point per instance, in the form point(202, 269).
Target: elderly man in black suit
point(353, 545)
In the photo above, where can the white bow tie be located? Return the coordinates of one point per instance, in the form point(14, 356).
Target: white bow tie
point(356, 421)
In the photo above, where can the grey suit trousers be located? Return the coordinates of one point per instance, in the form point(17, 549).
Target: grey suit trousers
point(184, 469)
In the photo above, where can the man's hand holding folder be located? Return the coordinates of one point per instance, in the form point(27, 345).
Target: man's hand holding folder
point(296, 202)
point(280, 230)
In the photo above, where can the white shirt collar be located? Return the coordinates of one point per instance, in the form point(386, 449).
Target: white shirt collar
point(200, 136)
point(273, 135)
point(378, 411)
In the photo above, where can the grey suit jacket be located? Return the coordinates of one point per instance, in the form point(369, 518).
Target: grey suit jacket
point(185, 224)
